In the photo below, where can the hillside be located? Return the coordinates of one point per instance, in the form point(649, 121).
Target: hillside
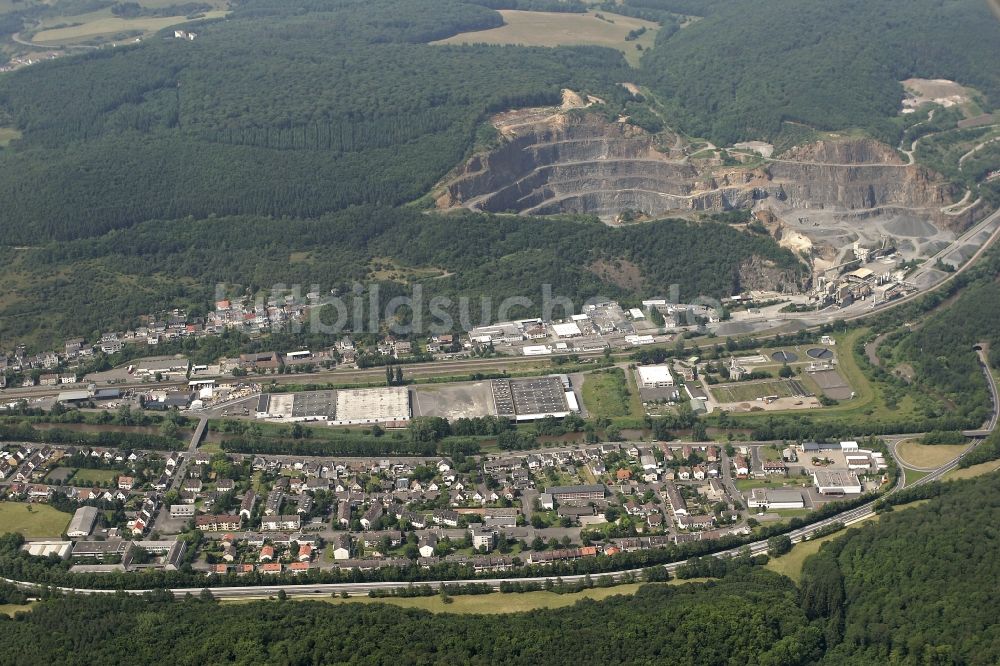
point(282, 109)
point(157, 264)
point(918, 588)
point(739, 72)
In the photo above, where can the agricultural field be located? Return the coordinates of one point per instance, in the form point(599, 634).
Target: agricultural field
point(10, 609)
point(972, 472)
point(32, 520)
point(750, 391)
point(97, 25)
point(565, 29)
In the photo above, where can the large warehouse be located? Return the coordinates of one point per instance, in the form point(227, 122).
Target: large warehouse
point(532, 399)
point(389, 405)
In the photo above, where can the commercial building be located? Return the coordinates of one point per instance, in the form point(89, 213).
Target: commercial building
point(836, 482)
point(532, 399)
point(655, 376)
point(775, 498)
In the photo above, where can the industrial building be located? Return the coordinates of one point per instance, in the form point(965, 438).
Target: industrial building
point(62, 549)
point(567, 330)
point(655, 376)
point(389, 405)
point(83, 522)
point(775, 498)
point(533, 399)
point(836, 482)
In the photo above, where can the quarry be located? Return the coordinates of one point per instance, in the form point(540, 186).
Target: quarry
point(827, 200)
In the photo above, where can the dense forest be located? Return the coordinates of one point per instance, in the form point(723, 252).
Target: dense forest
point(159, 264)
point(917, 587)
point(739, 73)
point(940, 349)
point(750, 618)
point(300, 108)
point(283, 109)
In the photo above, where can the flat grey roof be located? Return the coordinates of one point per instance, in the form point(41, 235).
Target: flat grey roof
point(561, 490)
point(538, 395)
point(783, 495)
point(315, 404)
point(836, 477)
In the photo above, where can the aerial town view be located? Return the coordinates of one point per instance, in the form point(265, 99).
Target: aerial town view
point(500, 332)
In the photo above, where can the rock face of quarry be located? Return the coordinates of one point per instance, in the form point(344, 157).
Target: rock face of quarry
point(583, 164)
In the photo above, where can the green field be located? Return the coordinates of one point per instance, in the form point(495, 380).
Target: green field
point(85, 476)
point(746, 485)
point(32, 520)
point(790, 564)
point(564, 29)
point(912, 475)
point(606, 395)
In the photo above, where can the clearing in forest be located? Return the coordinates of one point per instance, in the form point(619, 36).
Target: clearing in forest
point(565, 29)
point(110, 26)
